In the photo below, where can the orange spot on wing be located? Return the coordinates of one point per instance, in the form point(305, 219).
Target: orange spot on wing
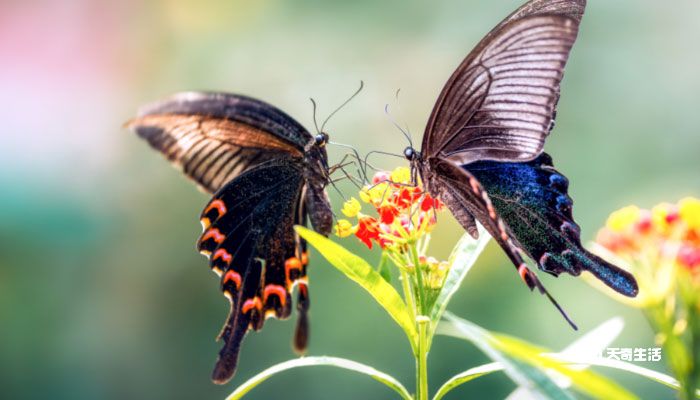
point(524, 272)
point(250, 304)
point(475, 185)
point(492, 211)
point(214, 234)
point(218, 205)
point(233, 276)
point(277, 290)
point(206, 223)
point(224, 255)
point(291, 264)
point(304, 258)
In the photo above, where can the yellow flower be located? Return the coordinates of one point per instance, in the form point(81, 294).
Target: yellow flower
point(623, 218)
point(344, 228)
point(660, 216)
point(689, 210)
point(401, 175)
point(351, 208)
point(376, 194)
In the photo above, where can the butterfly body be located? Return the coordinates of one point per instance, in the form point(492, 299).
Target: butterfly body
point(265, 173)
point(482, 151)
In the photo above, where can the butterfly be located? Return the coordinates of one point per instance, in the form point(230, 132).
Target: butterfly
point(266, 173)
point(482, 151)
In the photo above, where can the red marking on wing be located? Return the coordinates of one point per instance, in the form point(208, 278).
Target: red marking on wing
point(233, 276)
point(303, 289)
point(214, 234)
point(524, 273)
point(224, 255)
point(219, 205)
point(250, 304)
point(277, 290)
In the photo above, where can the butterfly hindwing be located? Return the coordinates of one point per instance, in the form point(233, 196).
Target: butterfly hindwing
point(500, 102)
point(467, 199)
point(249, 238)
point(532, 198)
point(214, 137)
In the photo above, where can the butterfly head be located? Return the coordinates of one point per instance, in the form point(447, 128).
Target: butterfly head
point(321, 139)
point(411, 154)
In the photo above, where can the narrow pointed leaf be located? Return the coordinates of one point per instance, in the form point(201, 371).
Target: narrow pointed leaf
point(361, 272)
point(593, 342)
point(624, 366)
point(506, 349)
point(523, 374)
point(379, 376)
point(466, 376)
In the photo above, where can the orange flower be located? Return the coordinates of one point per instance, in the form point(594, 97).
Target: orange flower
point(404, 212)
point(655, 244)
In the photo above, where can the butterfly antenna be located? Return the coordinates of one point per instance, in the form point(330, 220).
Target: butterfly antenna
point(380, 152)
point(362, 84)
point(360, 166)
point(398, 106)
point(313, 102)
point(388, 114)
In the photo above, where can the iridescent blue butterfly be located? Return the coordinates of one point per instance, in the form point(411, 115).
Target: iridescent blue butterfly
point(482, 151)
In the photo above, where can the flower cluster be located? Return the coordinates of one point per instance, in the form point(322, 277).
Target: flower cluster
point(404, 212)
point(657, 241)
point(400, 220)
point(661, 247)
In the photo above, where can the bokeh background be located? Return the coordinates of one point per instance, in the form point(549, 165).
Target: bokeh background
point(102, 294)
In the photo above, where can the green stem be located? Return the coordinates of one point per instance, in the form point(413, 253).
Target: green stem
point(694, 373)
point(406, 285)
point(419, 279)
point(422, 358)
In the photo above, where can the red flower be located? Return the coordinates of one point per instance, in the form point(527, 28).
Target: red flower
point(367, 230)
point(689, 256)
point(387, 213)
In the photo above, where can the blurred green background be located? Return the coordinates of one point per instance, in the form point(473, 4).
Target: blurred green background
point(102, 294)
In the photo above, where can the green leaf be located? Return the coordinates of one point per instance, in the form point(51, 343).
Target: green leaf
point(624, 366)
point(588, 382)
point(384, 267)
point(463, 257)
point(527, 376)
point(387, 380)
point(526, 364)
point(598, 337)
point(593, 342)
point(361, 272)
point(466, 376)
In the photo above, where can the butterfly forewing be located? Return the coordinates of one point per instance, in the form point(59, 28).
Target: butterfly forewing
point(214, 137)
point(500, 102)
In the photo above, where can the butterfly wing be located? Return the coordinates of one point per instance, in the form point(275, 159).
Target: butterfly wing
point(249, 238)
point(466, 199)
point(500, 102)
point(214, 137)
point(532, 199)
